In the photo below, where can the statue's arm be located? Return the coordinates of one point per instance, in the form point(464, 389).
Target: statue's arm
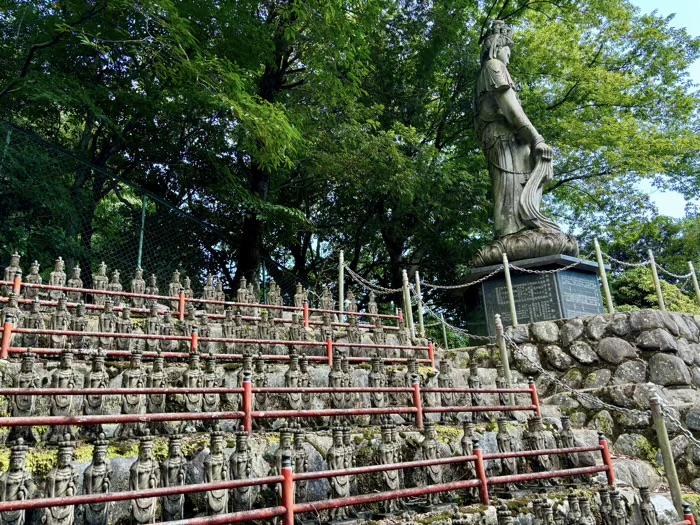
point(513, 111)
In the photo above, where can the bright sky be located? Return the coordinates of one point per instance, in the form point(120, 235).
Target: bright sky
point(687, 15)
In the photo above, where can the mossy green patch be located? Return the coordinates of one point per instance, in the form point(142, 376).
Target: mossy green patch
point(447, 434)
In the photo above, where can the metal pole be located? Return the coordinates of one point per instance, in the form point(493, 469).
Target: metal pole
point(674, 485)
point(657, 283)
point(407, 305)
point(503, 351)
point(287, 490)
point(341, 285)
point(143, 229)
point(417, 401)
point(695, 280)
point(264, 287)
point(444, 331)
point(421, 326)
point(6, 337)
point(603, 277)
point(247, 402)
point(509, 287)
point(481, 472)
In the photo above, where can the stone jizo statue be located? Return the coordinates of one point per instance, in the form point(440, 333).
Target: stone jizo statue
point(519, 161)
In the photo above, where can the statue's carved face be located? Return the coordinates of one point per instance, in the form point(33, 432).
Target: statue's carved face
point(100, 456)
point(16, 463)
point(65, 458)
point(504, 54)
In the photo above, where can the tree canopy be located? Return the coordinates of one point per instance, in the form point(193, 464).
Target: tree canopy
point(302, 128)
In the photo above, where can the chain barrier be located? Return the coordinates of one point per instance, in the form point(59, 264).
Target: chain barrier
point(370, 287)
point(465, 285)
point(671, 274)
point(683, 430)
point(579, 395)
point(623, 263)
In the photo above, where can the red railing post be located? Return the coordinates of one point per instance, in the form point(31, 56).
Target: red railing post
point(6, 337)
point(417, 401)
point(194, 340)
point(688, 514)
point(181, 306)
point(481, 473)
point(607, 461)
point(533, 395)
point(287, 490)
point(306, 314)
point(400, 314)
point(248, 401)
point(431, 353)
point(17, 283)
point(329, 349)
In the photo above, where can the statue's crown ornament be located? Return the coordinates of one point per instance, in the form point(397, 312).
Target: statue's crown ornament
point(500, 27)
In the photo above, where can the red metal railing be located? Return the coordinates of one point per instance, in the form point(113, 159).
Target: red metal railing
point(287, 480)
point(247, 414)
point(9, 329)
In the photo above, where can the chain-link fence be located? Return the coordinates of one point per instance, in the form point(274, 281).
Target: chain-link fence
point(54, 204)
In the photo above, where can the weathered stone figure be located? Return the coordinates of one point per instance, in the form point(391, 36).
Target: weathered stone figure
point(99, 282)
point(208, 292)
point(519, 161)
point(378, 333)
point(174, 287)
point(619, 512)
point(204, 330)
point(60, 320)
point(260, 379)
point(353, 330)
point(62, 405)
point(372, 307)
point(567, 440)
point(241, 468)
point(477, 399)
point(187, 288)
point(166, 328)
point(155, 403)
point(123, 325)
point(16, 484)
point(216, 468)
point(388, 455)
point(230, 330)
point(144, 474)
point(93, 405)
point(293, 379)
point(61, 482)
point(646, 507)
point(606, 509)
point(505, 444)
point(536, 441)
point(23, 406)
point(467, 443)
point(219, 295)
point(97, 479)
point(433, 473)
point(34, 319)
point(152, 327)
point(75, 282)
point(173, 471)
point(339, 485)
point(300, 296)
point(107, 324)
point(12, 310)
point(133, 377)
point(152, 289)
point(79, 323)
point(57, 278)
point(193, 378)
point(300, 464)
point(501, 383)
point(213, 378)
point(138, 285)
point(587, 517)
point(573, 517)
point(447, 399)
point(33, 278)
point(11, 272)
point(377, 379)
point(284, 449)
point(115, 285)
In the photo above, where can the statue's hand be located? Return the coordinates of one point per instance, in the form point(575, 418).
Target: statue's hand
point(544, 151)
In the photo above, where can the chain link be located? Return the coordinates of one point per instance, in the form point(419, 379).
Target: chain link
point(375, 288)
point(675, 276)
point(579, 395)
point(623, 263)
point(555, 270)
point(465, 285)
point(687, 433)
point(441, 321)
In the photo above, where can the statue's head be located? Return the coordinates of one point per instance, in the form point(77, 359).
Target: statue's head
point(27, 361)
point(175, 446)
point(66, 359)
point(337, 436)
point(158, 362)
point(76, 272)
point(126, 313)
point(139, 273)
point(285, 438)
point(146, 447)
point(98, 360)
point(498, 43)
point(34, 268)
point(136, 359)
point(18, 452)
point(99, 453)
point(216, 442)
point(154, 280)
point(347, 436)
point(65, 451)
point(14, 259)
point(36, 306)
point(82, 309)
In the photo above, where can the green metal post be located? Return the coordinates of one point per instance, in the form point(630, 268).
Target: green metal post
point(143, 229)
point(509, 287)
point(657, 282)
point(603, 277)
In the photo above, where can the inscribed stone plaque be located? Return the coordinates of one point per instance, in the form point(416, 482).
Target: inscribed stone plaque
point(580, 293)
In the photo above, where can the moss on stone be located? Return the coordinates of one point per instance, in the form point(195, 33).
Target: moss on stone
point(650, 451)
point(447, 434)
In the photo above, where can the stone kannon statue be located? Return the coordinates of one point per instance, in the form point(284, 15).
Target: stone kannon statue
point(152, 327)
point(606, 509)
point(216, 468)
point(33, 278)
point(377, 379)
point(156, 377)
point(93, 405)
point(16, 484)
point(213, 378)
point(573, 517)
point(519, 162)
point(79, 323)
point(61, 481)
point(138, 285)
point(193, 377)
point(97, 479)
point(12, 310)
point(587, 517)
point(174, 287)
point(388, 454)
point(339, 485)
point(60, 320)
point(11, 272)
point(107, 323)
point(469, 469)
point(447, 399)
point(173, 471)
point(208, 292)
point(619, 512)
point(57, 278)
point(477, 399)
point(23, 406)
point(504, 440)
point(35, 319)
point(433, 474)
point(219, 295)
point(144, 474)
point(75, 282)
point(166, 328)
point(132, 377)
point(567, 440)
point(124, 325)
point(152, 289)
point(242, 468)
point(300, 296)
point(99, 282)
point(536, 440)
point(62, 405)
point(293, 380)
point(300, 464)
point(646, 507)
point(115, 285)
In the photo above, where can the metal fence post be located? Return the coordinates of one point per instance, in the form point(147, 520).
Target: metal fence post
point(688, 514)
point(509, 287)
point(674, 485)
point(143, 230)
point(503, 351)
point(194, 340)
point(407, 305)
point(306, 313)
point(247, 401)
point(181, 305)
point(419, 298)
point(341, 285)
point(603, 277)
point(287, 490)
point(417, 401)
point(444, 331)
point(534, 396)
point(694, 277)
point(605, 452)
point(6, 337)
point(657, 283)
point(481, 472)
point(329, 350)
point(431, 353)
point(17, 283)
